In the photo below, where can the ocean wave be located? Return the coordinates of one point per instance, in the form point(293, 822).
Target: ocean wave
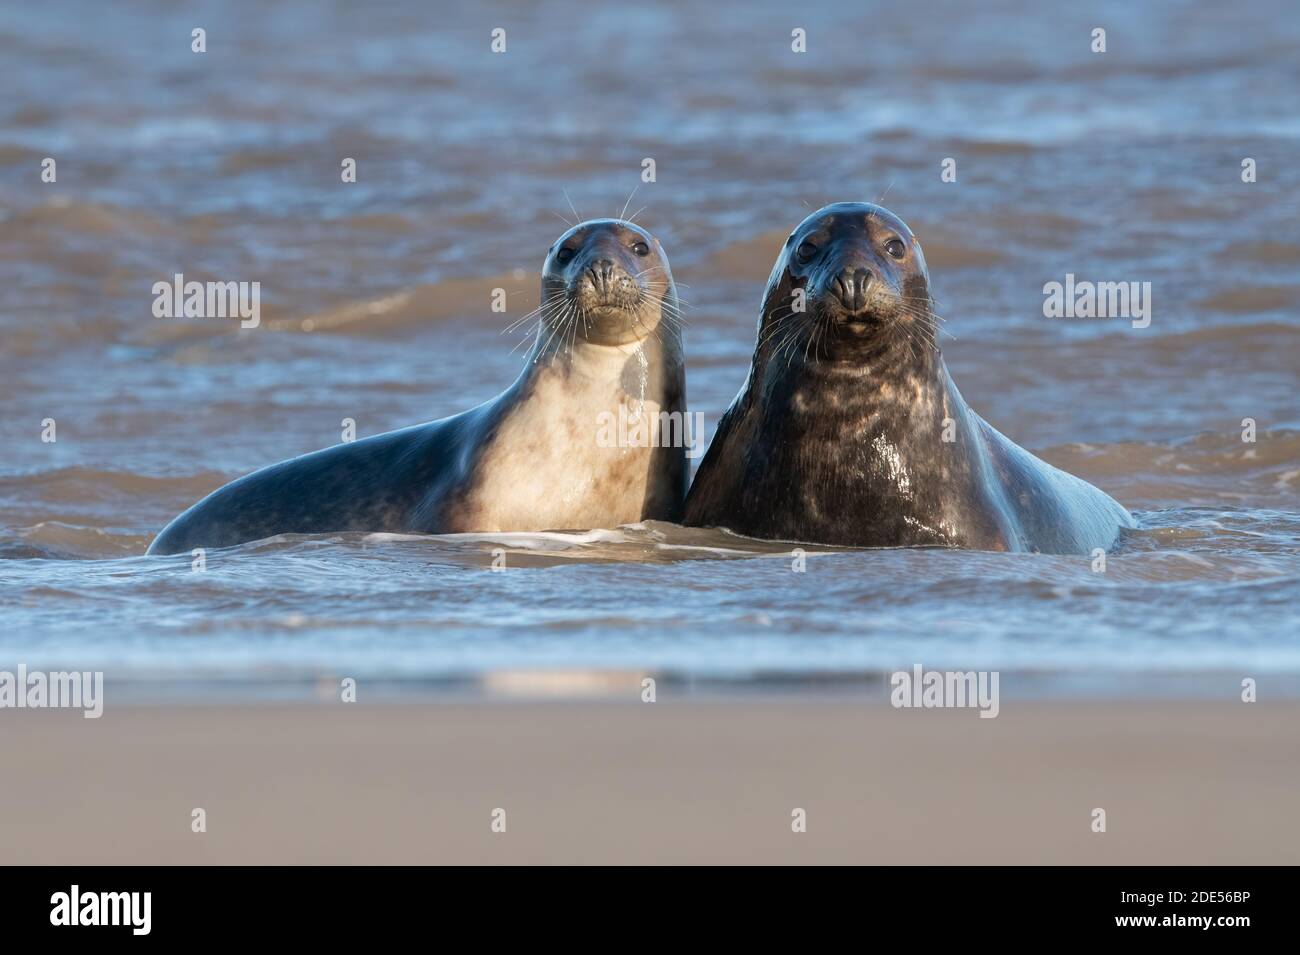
point(1208, 468)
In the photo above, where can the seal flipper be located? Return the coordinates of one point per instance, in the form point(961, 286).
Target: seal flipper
point(334, 490)
point(1057, 512)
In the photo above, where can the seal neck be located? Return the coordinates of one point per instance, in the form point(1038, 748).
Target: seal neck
point(814, 406)
point(651, 369)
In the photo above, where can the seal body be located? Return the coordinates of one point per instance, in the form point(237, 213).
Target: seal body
point(849, 429)
point(539, 456)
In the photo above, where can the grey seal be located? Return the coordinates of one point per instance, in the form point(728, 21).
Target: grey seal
point(538, 456)
point(849, 429)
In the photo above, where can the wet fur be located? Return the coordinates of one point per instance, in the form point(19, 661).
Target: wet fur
point(835, 438)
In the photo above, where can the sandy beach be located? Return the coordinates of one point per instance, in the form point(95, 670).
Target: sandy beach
point(696, 781)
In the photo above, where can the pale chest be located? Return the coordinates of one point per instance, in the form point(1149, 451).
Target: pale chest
point(564, 457)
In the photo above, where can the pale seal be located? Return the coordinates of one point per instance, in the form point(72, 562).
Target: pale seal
point(539, 456)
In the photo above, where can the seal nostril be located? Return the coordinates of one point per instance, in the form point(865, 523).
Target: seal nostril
point(841, 291)
point(851, 286)
point(602, 274)
point(861, 281)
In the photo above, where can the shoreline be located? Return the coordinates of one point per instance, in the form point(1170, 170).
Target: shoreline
point(626, 685)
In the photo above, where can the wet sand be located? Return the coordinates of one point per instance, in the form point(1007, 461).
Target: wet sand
point(669, 782)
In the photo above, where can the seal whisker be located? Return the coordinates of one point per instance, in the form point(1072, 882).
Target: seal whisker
point(537, 326)
point(927, 320)
point(907, 333)
point(519, 321)
point(647, 271)
point(540, 309)
point(793, 339)
point(654, 282)
point(571, 205)
point(670, 310)
point(775, 324)
point(823, 327)
point(559, 330)
point(924, 335)
point(906, 339)
point(524, 340)
point(789, 343)
point(572, 322)
point(546, 346)
point(809, 340)
point(774, 339)
point(629, 200)
point(770, 335)
point(674, 305)
point(922, 307)
point(681, 303)
point(568, 325)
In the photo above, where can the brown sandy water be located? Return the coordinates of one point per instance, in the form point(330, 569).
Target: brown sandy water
point(225, 166)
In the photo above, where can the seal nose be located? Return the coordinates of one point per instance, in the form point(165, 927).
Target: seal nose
point(602, 274)
point(850, 287)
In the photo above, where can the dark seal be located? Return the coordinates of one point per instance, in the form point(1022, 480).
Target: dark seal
point(849, 429)
point(543, 455)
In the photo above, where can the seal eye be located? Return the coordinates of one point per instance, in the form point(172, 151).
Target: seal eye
point(805, 252)
point(896, 248)
point(563, 256)
point(640, 248)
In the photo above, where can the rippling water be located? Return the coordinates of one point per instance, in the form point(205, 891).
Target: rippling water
point(225, 166)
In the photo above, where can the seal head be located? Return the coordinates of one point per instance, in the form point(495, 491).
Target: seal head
point(850, 284)
point(608, 278)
